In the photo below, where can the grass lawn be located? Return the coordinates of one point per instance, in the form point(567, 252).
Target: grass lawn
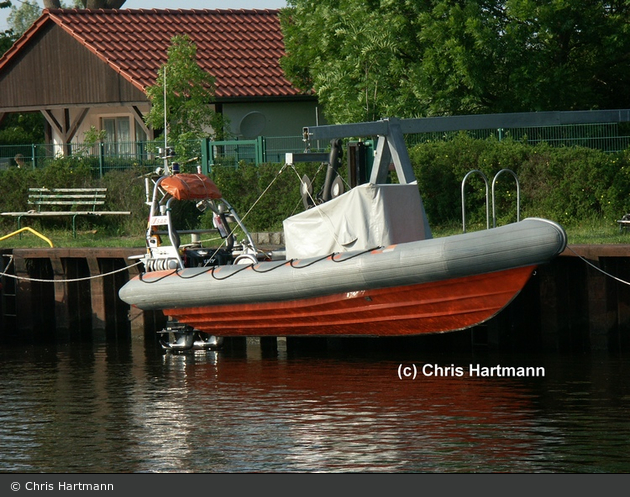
point(589, 232)
point(64, 239)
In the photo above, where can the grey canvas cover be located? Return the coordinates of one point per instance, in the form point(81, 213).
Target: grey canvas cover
point(365, 217)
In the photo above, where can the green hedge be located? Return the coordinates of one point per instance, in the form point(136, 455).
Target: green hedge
point(275, 193)
point(567, 185)
point(274, 190)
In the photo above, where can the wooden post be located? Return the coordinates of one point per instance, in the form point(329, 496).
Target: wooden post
point(601, 319)
point(62, 313)
point(97, 295)
point(24, 295)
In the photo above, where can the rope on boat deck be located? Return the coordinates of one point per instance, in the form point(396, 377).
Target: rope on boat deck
point(598, 268)
point(331, 257)
point(72, 280)
point(252, 266)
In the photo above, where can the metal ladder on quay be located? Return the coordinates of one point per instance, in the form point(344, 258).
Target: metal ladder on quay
point(494, 181)
point(8, 297)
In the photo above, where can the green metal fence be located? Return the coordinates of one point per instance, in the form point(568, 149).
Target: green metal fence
point(103, 157)
point(608, 137)
point(110, 156)
point(258, 151)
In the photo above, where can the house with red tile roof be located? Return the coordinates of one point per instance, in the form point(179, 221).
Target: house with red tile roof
point(83, 68)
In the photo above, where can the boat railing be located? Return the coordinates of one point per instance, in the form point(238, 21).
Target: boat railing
point(485, 180)
point(494, 181)
point(518, 196)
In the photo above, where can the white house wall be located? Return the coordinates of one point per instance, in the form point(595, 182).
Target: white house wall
point(247, 120)
point(95, 116)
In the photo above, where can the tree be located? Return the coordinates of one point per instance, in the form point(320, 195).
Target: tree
point(518, 55)
point(86, 4)
point(7, 38)
point(21, 18)
point(355, 55)
point(22, 128)
point(189, 93)
point(378, 58)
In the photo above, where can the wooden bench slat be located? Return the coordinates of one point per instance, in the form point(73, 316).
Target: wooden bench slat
point(68, 201)
point(64, 213)
point(66, 197)
point(68, 189)
point(99, 195)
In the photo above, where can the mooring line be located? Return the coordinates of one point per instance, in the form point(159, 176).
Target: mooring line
point(598, 268)
point(289, 262)
point(73, 280)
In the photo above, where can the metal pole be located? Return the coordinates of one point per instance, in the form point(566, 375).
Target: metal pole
point(165, 128)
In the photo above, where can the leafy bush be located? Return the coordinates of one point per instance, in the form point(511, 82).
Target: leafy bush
point(126, 192)
point(15, 184)
point(565, 184)
point(266, 194)
point(570, 185)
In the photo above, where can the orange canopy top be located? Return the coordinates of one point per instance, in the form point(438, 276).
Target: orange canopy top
point(190, 187)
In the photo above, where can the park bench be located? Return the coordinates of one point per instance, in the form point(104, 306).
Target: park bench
point(624, 222)
point(70, 202)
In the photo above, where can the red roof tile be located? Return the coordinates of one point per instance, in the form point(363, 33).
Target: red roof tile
point(240, 48)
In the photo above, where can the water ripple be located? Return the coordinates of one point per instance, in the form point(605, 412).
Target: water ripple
point(101, 408)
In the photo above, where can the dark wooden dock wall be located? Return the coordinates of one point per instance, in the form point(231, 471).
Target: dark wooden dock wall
point(568, 305)
point(75, 309)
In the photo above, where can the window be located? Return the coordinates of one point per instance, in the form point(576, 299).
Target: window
point(118, 139)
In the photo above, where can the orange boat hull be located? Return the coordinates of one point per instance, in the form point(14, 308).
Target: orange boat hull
point(440, 306)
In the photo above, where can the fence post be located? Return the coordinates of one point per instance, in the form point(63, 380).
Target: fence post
point(205, 163)
point(101, 157)
point(261, 152)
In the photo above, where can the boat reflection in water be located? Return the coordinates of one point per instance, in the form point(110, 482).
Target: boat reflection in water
point(126, 408)
point(356, 414)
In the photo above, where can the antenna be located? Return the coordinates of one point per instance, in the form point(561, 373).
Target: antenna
point(166, 154)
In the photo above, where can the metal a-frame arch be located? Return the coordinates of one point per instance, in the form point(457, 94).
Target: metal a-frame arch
point(391, 146)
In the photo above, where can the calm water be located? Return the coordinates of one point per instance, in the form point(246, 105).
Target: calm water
point(130, 408)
